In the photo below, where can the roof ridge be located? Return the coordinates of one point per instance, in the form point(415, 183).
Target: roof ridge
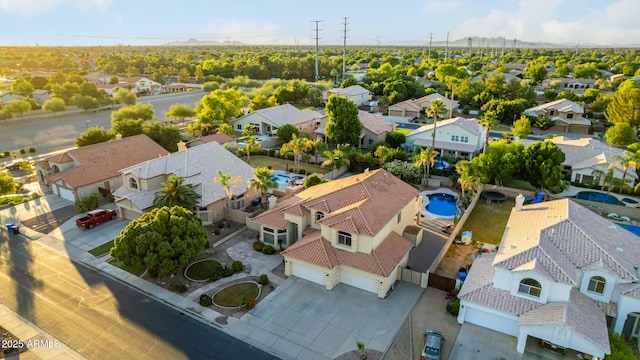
point(324, 249)
point(375, 256)
point(364, 218)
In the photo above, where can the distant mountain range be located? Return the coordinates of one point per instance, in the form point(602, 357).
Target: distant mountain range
point(194, 42)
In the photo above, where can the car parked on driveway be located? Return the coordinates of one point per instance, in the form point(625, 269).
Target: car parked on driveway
point(96, 217)
point(432, 345)
point(15, 165)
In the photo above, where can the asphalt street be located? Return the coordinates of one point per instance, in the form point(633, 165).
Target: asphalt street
point(48, 133)
point(102, 318)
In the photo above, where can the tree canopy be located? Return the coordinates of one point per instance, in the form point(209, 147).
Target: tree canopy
point(175, 192)
point(220, 106)
point(286, 132)
point(543, 165)
point(55, 105)
point(343, 125)
point(180, 112)
point(94, 135)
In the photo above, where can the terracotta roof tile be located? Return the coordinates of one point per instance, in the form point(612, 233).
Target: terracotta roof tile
point(313, 249)
point(375, 124)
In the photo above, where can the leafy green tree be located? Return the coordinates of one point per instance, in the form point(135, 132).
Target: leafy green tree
point(544, 122)
point(550, 95)
point(139, 111)
point(425, 159)
point(55, 105)
point(164, 240)
point(436, 111)
point(125, 96)
point(226, 129)
point(249, 145)
point(227, 180)
point(394, 139)
point(488, 120)
point(199, 75)
point(114, 80)
point(607, 178)
point(220, 106)
point(263, 180)
point(91, 89)
point(635, 147)
point(521, 127)
point(183, 75)
point(85, 102)
point(469, 184)
point(313, 180)
point(94, 135)
point(343, 125)
point(175, 192)
point(128, 127)
point(262, 102)
point(620, 134)
point(627, 160)
point(19, 106)
point(180, 112)
point(7, 186)
point(167, 136)
point(249, 130)
point(286, 132)
point(297, 145)
point(536, 71)
point(543, 165)
point(348, 81)
point(502, 161)
point(22, 87)
point(624, 107)
point(403, 170)
point(5, 113)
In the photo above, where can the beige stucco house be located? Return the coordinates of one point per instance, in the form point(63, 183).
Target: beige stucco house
point(356, 93)
point(199, 166)
point(267, 121)
point(345, 231)
point(459, 137)
point(408, 108)
point(79, 172)
point(566, 115)
point(425, 102)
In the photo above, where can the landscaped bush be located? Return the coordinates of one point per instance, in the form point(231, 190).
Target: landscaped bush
point(226, 272)
point(153, 272)
point(177, 286)
point(88, 203)
point(1, 155)
point(302, 172)
point(237, 266)
point(220, 225)
point(205, 300)
point(257, 246)
point(268, 250)
point(250, 304)
point(23, 151)
point(7, 153)
point(454, 307)
point(32, 149)
point(264, 279)
point(216, 231)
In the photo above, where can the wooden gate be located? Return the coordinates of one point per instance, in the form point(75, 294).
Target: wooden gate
point(441, 282)
point(411, 276)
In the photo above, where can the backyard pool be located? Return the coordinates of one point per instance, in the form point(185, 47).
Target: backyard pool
point(442, 204)
point(598, 197)
point(632, 228)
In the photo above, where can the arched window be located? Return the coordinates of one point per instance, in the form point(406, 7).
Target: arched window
point(597, 284)
point(319, 215)
point(530, 287)
point(133, 183)
point(344, 238)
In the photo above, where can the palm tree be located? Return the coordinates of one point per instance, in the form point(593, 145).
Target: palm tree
point(263, 180)
point(488, 120)
point(226, 180)
point(383, 152)
point(468, 183)
point(337, 157)
point(297, 145)
point(425, 159)
point(606, 177)
point(314, 145)
point(250, 145)
point(436, 110)
point(626, 160)
point(175, 193)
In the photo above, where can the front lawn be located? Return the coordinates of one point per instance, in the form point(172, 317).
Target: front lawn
point(487, 221)
point(236, 294)
point(102, 249)
point(203, 270)
point(281, 164)
point(403, 131)
point(136, 270)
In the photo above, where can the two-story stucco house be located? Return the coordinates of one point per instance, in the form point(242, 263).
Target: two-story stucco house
point(562, 274)
point(356, 93)
point(199, 166)
point(459, 137)
point(267, 121)
point(566, 115)
point(80, 172)
point(345, 231)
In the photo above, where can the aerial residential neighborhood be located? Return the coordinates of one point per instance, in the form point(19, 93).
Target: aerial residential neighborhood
point(377, 190)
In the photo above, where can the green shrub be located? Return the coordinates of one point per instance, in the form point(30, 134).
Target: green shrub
point(7, 153)
point(205, 300)
point(220, 225)
point(216, 231)
point(250, 304)
point(23, 151)
point(257, 245)
point(153, 272)
point(263, 280)
point(302, 172)
point(32, 149)
point(226, 272)
point(268, 250)
point(1, 155)
point(454, 307)
point(215, 276)
point(177, 286)
point(237, 266)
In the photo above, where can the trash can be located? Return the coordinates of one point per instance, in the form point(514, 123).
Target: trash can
point(16, 229)
point(9, 228)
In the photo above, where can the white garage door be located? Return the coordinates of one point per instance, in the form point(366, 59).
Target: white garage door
point(358, 280)
point(66, 194)
point(307, 273)
point(491, 321)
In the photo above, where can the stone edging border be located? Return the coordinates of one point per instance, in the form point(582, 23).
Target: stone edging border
point(195, 262)
point(235, 307)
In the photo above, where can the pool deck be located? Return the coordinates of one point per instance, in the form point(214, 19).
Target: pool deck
point(571, 191)
point(425, 201)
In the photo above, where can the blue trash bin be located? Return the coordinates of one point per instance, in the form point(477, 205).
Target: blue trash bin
point(10, 228)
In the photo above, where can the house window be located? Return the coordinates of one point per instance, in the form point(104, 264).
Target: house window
point(453, 138)
point(344, 238)
point(570, 116)
point(239, 126)
point(596, 284)
point(267, 236)
point(529, 287)
point(133, 183)
point(319, 216)
point(551, 112)
point(465, 139)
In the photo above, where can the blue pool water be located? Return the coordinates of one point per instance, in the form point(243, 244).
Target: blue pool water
point(281, 179)
point(440, 164)
point(634, 229)
point(442, 204)
point(598, 196)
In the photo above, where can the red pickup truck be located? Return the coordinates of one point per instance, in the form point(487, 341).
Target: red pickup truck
point(96, 217)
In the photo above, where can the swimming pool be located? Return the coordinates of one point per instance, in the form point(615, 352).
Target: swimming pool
point(281, 179)
point(442, 204)
point(598, 197)
point(632, 228)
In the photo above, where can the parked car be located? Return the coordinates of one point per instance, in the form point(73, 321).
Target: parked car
point(96, 217)
point(433, 340)
point(13, 165)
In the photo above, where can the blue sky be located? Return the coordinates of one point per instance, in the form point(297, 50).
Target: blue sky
point(409, 22)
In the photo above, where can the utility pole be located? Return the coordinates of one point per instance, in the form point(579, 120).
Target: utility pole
point(317, 47)
point(344, 49)
point(577, 47)
point(446, 48)
point(482, 47)
point(514, 45)
point(504, 40)
point(469, 46)
point(377, 44)
point(429, 52)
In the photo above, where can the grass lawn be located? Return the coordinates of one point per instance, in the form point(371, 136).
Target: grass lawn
point(12, 200)
point(487, 221)
point(403, 131)
point(236, 294)
point(502, 128)
point(202, 270)
point(136, 270)
point(102, 249)
point(520, 184)
point(280, 164)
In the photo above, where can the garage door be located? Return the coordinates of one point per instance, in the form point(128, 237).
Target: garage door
point(491, 321)
point(358, 280)
point(308, 273)
point(66, 194)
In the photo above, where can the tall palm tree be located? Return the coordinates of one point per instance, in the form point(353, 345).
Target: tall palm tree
point(314, 145)
point(226, 180)
point(383, 152)
point(468, 183)
point(263, 180)
point(337, 157)
point(425, 159)
point(297, 145)
point(626, 160)
point(250, 145)
point(175, 193)
point(436, 111)
point(606, 177)
point(488, 120)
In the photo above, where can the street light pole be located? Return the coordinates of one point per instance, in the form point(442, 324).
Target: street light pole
point(86, 123)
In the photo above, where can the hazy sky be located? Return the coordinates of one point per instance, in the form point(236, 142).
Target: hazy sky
point(408, 22)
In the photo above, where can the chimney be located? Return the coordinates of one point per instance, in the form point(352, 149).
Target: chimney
point(272, 201)
point(182, 146)
point(519, 202)
point(118, 136)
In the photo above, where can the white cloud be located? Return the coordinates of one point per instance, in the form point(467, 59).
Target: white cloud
point(28, 8)
point(439, 6)
point(246, 31)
